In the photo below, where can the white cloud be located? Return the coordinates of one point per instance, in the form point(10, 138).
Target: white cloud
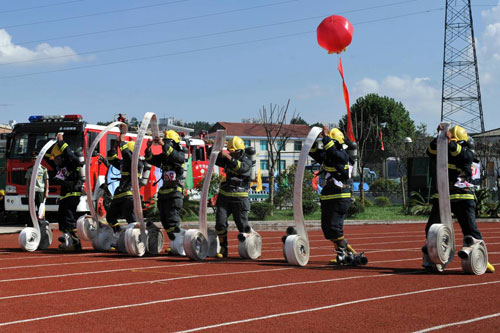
point(11, 53)
point(491, 15)
point(314, 90)
point(421, 99)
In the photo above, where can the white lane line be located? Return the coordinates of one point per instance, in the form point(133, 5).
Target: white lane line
point(95, 272)
point(336, 306)
point(78, 262)
point(171, 279)
point(458, 323)
point(168, 300)
point(145, 282)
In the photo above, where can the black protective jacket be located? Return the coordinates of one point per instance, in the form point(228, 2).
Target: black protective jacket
point(171, 163)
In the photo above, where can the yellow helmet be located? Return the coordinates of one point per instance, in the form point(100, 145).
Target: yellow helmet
point(131, 145)
point(172, 135)
point(459, 133)
point(2, 192)
point(235, 143)
point(56, 151)
point(336, 134)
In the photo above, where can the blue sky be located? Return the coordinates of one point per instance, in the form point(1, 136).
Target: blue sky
point(193, 65)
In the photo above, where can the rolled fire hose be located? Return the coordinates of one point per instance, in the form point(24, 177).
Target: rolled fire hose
point(296, 246)
point(474, 256)
point(197, 242)
point(88, 226)
point(136, 234)
point(251, 246)
point(32, 238)
point(441, 237)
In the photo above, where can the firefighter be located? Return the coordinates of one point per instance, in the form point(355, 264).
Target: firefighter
point(122, 204)
point(233, 193)
point(463, 205)
point(336, 195)
point(68, 176)
point(170, 195)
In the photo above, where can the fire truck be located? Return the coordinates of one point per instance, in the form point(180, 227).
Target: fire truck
point(30, 137)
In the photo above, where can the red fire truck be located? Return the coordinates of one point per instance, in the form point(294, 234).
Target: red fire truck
point(29, 137)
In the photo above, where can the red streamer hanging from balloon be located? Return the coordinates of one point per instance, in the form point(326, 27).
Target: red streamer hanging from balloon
point(350, 133)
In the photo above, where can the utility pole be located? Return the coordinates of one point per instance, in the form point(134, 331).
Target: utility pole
point(461, 95)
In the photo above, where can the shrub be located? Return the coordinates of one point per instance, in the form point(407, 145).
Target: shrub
point(382, 201)
point(418, 205)
point(261, 209)
point(309, 206)
point(368, 202)
point(382, 186)
point(355, 207)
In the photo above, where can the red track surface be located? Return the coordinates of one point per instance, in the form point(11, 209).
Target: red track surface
point(89, 291)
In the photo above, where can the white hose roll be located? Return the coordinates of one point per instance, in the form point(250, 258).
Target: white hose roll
point(120, 242)
point(251, 247)
point(177, 245)
point(474, 257)
point(29, 239)
point(45, 235)
point(87, 228)
point(155, 240)
point(104, 239)
point(213, 243)
point(296, 249)
point(440, 244)
point(195, 244)
point(134, 241)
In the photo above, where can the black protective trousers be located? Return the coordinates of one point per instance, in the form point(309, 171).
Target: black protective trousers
point(238, 207)
point(121, 208)
point(67, 215)
point(169, 212)
point(465, 212)
point(333, 213)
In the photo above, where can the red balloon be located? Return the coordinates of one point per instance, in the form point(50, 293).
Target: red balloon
point(334, 33)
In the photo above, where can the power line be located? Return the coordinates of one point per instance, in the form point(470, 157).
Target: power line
point(201, 36)
point(94, 14)
point(38, 7)
point(197, 17)
point(209, 48)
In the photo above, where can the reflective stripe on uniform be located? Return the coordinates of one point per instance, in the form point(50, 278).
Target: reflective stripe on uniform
point(456, 152)
point(466, 196)
point(71, 194)
point(234, 194)
point(64, 146)
point(432, 151)
point(169, 151)
point(123, 194)
point(110, 158)
point(329, 145)
point(170, 190)
point(335, 196)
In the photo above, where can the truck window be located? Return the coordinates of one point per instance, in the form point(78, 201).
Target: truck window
point(90, 138)
point(198, 153)
point(24, 144)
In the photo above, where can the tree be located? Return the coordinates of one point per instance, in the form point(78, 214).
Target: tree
point(372, 115)
point(298, 120)
point(277, 133)
point(199, 126)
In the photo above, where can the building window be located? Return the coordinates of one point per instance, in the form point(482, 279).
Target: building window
point(280, 146)
point(264, 165)
point(282, 165)
point(263, 145)
point(295, 162)
point(297, 145)
point(247, 143)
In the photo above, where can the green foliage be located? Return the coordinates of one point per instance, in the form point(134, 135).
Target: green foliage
point(383, 186)
point(286, 181)
point(199, 126)
point(309, 206)
point(368, 203)
point(298, 121)
point(355, 207)
point(382, 201)
point(190, 208)
point(418, 205)
point(485, 206)
point(261, 209)
point(214, 185)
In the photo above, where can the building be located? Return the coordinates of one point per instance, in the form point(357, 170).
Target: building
point(487, 144)
point(254, 135)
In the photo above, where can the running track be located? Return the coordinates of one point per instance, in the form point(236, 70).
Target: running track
point(112, 292)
